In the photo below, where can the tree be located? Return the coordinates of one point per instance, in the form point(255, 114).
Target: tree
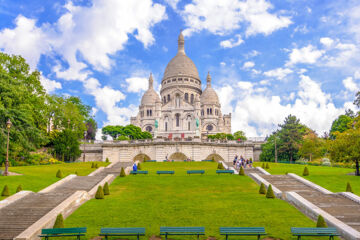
point(341, 124)
point(91, 126)
point(357, 99)
point(239, 135)
point(312, 146)
point(129, 131)
point(66, 145)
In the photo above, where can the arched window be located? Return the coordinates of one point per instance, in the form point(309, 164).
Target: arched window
point(192, 98)
point(177, 116)
point(166, 126)
point(186, 97)
point(177, 100)
point(188, 119)
point(150, 112)
point(202, 112)
point(168, 98)
point(164, 99)
point(209, 127)
point(149, 129)
point(210, 111)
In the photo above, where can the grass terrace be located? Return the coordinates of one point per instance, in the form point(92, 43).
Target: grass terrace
point(208, 200)
point(37, 177)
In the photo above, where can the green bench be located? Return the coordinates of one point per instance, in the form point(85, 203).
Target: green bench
point(207, 160)
point(195, 171)
point(165, 172)
point(138, 172)
point(242, 231)
point(109, 232)
point(225, 171)
point(318, 232)
point(182, 231)
point(62, 232)
point(150, 161)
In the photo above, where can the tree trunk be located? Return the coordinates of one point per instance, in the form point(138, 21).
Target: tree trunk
point(357, 173)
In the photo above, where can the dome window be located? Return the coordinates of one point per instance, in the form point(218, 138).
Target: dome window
point(168, 98)
point(148, 129)
point(209, 127)
point(191, 80)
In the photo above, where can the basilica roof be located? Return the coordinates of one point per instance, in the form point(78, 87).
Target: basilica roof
point(150, 96)
point(209, 96)
point(181, 64)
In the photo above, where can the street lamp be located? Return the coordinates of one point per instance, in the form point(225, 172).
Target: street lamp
point(8, 126)
point(85, 133)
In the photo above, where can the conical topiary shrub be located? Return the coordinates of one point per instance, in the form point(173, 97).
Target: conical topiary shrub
point(106, 189)
point(306, 172)
point(107, 160)
point(267, 166)
point(220, 166)
point(262, 189)
point(321, 222)
point(76, 173)
point(99, 193)
point(263, 166)
point(348, 188)
point(59, 222)
point(92, 165)
point(270, 192)
point(19, 188)
point(122, 172)
point(59, 174)
point(139, 166)
point(96, 165)
point(5, 192)
point(241, 171)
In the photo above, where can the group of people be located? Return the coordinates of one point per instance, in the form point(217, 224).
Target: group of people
point(242, 162)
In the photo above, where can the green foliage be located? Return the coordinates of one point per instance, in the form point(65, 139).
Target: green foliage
point(91, 127)
point(5, 191)
point(99, 193)
point(92, 165)
point(321, 222)
point(76, 173)
point(213, 159)
point(348, 188)
point(220, 166)
point(139, 166)
point(262, 189)
point(341, 124)
point(59, 174)
point(106, 189)
point(19, 188)
point(126, 132)
point(107, 160)
point(122, 172)
point(241, 171)
point(267, 166)
point(313, 147)
point(67, 145)
point(59, 222)
point(96, 165)
point(123, 138)
point(270, 192)
point(240, 135)
point(306, 172)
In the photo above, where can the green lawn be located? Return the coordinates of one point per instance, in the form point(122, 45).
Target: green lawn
point(37, 177)
point(331, 178)
point(208, 200)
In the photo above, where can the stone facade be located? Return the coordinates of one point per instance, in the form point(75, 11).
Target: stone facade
point(183, 109)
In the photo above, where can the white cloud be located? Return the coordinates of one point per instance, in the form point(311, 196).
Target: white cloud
point(222, 17)
point(172, 3)
point(245, 85)
point(49, 85)
point(308, 54)
point(327, 42)
point(279, 73)
point(357, 74)
point(222, 64)
point(249, 64)
point(137, 84)
point(232, 42)
point(350, 85)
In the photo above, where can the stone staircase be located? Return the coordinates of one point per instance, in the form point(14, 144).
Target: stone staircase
point(21, 214)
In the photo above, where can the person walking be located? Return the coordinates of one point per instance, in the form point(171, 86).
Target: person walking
point(134, 167)
point(235, 160)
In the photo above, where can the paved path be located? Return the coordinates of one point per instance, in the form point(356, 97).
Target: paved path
point(20, 215)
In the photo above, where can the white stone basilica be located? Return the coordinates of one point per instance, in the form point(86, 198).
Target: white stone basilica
point(183, 110)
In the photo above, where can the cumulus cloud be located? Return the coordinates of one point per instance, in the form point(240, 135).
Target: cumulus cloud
point(137, 84)
point(222, 17)
point(232, 42)
point(308, 54)
point(49, 85)
point(249, 64)
point(350, 85)
point(279, 73)
point(327, 42)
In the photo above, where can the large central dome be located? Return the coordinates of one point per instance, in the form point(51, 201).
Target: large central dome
point(181, 65)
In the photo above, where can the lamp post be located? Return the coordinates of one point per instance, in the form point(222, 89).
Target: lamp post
point(85, 133)
point(8, 126)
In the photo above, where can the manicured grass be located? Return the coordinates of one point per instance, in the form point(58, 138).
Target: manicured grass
point(208, 200)
point(331, 178)
point(37, 177)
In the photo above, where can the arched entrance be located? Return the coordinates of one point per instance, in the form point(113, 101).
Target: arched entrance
point(214, 156)
point(178, 156)
point(141, 157)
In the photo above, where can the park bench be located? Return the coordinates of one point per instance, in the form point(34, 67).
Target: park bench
point(242, 231)
point(109, 232)
point(182, 231)
point(225, 171)
point(195, 171)
point(165, 172)
point(207, 160)
point(138, 172)
point(150, 161)
point(318, 232)
point(62, 232)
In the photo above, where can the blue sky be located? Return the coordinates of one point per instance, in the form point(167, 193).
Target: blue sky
point(267, 58)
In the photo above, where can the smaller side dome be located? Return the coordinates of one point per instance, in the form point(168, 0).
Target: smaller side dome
point(209, 96)
point(150, 96)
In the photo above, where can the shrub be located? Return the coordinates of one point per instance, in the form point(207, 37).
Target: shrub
point(270, 192)
point(306, 172)
point(213, 159)
point(92, 165)
point(96, 165)
point(262, 189)
point(139, 166)
point(106, 189)
point(19, 188)
point(263, 166)
point(107, 160)
point(241, 171)
point(326, 162)
point(122, 172)
point(59, 222)
point(5, 192)
point(59, 174)
point(76, 173)
point(321, 222)
point(267, 166)
point(220, 166)
point(99, 193)
point(348, 188)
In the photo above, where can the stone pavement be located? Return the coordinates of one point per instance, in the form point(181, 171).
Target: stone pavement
point(21, 214)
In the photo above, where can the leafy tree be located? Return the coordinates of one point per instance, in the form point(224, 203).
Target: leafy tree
point(66, 145)
point(239, 135)
point(312, 146)
point(128, 132)
point(357, 99)
point(341, 124)
point(91, 126)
